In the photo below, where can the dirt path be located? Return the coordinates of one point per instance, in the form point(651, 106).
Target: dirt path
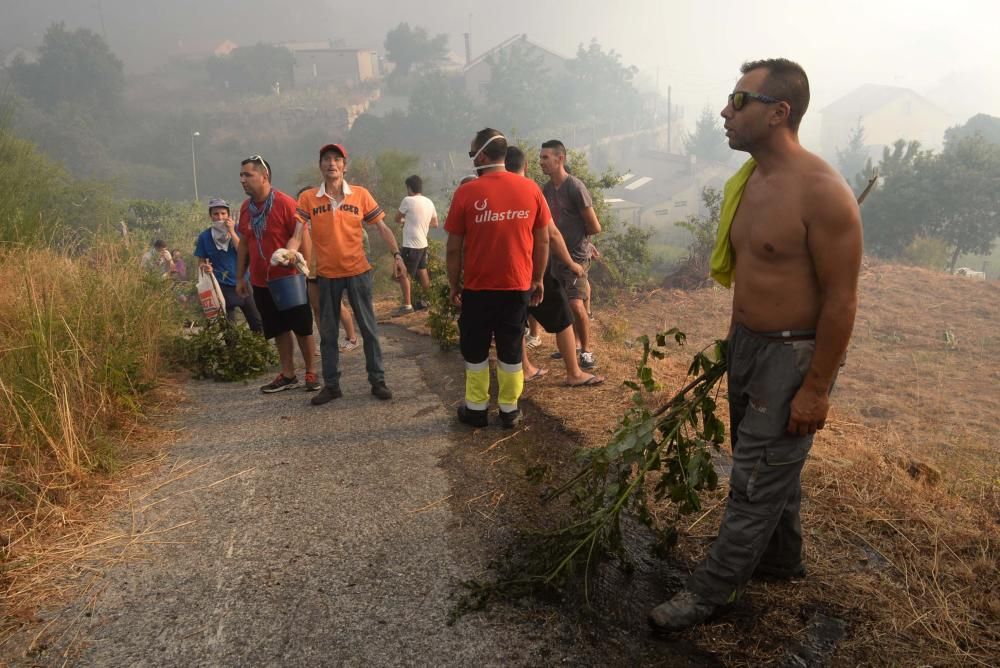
point(330, 536)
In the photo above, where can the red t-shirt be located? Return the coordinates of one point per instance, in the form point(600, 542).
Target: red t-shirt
point(497, 214)
point(281, 221)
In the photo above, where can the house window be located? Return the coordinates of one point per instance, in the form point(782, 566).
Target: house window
point(680, 204)
point(663, 212)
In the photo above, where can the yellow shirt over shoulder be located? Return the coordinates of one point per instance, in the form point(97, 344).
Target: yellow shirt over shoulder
point(721, 265)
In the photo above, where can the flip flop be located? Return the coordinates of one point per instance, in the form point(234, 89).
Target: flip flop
point(593, 380)
point(539, 372)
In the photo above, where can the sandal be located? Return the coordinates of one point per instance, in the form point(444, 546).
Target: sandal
point(539, 372)
point(593, 380)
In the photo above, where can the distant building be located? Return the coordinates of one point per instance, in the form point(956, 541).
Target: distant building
point(477, 74)
point(886, 113)
point(321, 64)
point(662, 188)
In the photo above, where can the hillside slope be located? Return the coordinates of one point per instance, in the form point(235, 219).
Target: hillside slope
point(902, 490)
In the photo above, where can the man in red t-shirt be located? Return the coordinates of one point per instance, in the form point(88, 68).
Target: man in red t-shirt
point(269, 220)
point(498, 245)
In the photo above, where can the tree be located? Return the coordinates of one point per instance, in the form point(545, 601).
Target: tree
point(439, 111)
point(411, 47)
point(954, 197)
point(617, 100)
point(74, 67)
point(520, 90)
point(708, 141)
point(987, 127)
point(963, 184)
point(852, 160)
point(372, 134)
point(892, 213)
point(392, 168)
point(39, 198)
point(252, 69)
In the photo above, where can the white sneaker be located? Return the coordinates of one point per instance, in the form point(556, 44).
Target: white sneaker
point(587, 360)
point(347, 345)
point(532, 341)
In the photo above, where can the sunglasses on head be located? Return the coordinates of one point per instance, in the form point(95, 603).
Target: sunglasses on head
point(260, 160)
point(739, 98)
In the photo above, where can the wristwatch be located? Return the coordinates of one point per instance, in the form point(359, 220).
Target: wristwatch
point(397, 254)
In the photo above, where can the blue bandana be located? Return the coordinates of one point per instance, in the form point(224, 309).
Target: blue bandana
point(258, 219)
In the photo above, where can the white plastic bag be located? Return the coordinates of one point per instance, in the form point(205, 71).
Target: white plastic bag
point(210, 294)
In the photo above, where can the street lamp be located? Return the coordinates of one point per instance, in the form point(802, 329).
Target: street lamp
point(194, 166)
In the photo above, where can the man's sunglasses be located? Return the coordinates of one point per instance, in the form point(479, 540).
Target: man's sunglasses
point(739, 98)
point(260, 160)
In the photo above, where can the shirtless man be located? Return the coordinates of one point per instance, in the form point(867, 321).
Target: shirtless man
point(796, 247)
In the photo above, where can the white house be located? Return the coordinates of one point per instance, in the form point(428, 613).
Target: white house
point(886, 113)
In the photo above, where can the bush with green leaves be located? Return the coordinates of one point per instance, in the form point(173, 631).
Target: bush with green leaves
point(442, 315)
point(225, 351)
point(40, 203)
point(655, 455)
point(693, 271)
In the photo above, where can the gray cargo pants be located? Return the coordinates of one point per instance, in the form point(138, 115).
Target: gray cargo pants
point(761, 522)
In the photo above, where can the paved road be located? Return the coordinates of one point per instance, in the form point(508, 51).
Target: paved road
point(314, 536)
point(329, 550)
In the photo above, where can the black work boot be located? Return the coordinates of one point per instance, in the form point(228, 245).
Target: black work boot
point(684, 610)
point(328, 393)
point(380, 391)
point(471, 417)
point(509, 420)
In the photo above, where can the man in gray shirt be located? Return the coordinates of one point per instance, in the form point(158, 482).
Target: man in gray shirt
point(573, 211)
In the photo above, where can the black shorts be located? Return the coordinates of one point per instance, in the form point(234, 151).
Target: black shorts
point(298, 319)
point(489, 315)
point(553, 314)
point(415, 259)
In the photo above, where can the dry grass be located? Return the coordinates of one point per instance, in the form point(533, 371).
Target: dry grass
point(902, 491)
point(80, 344)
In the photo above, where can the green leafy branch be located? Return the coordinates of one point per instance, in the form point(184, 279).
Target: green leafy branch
point(224, 351)
point(675, 440)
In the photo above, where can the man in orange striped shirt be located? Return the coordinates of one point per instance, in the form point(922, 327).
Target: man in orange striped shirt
point(335, 213)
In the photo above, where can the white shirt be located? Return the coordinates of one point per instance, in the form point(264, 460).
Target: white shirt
point(418, 211)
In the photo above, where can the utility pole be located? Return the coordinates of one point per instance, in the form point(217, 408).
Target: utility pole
point(100, 12)
point(656, 99)
point(194, 165)
point(670, 119)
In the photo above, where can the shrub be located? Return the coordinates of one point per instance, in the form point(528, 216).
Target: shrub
point(225, 351)
point(693, 271)
point(927, 252)
point(39, 198)
point(442, 315)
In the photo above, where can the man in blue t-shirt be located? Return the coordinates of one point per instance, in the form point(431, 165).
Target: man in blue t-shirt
point(216, 251)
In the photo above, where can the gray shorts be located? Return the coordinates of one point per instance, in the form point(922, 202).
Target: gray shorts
point(576, 287)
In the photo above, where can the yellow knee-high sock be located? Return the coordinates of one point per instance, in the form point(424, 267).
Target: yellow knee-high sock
point(477, 385)
point(511, 380)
